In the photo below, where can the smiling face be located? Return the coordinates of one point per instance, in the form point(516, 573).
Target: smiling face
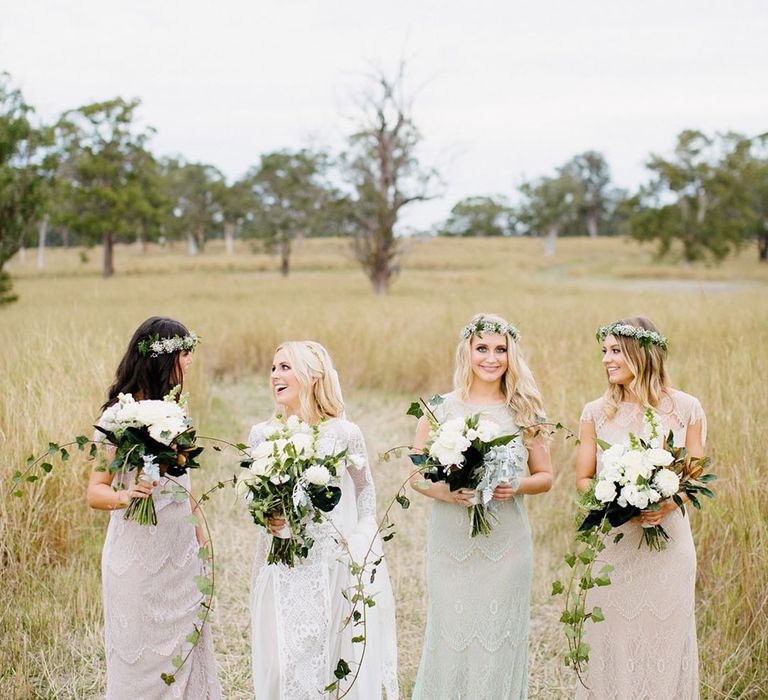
point(488, 355)
point(285, 383)
point(615, 363)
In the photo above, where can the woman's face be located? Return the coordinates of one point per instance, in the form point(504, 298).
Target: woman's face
point(185, 361)
point(615, 363)
point(285, 384)
point(489, 356)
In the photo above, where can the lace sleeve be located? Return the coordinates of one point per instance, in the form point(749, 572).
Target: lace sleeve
point(257, 435)
point(588, 414)
point(697, 415)
point(360, 471)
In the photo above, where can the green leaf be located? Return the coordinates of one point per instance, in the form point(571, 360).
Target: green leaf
point(192, 519)
point(81, 441)
point(358, 639)
point(415, 410)
point(570, 559)
point(53, 448)
point(557, 588)
point(204, 585)
point(204, 553)
point(177, 661)
point(194, 636)
point(217, 448)
point(704, 491)
point(64, 455)
point(331, 687)
point(603, 444)
point(18, 494)
point(168, 678)
point(618, 538)
point(587, 556)
point(603, 581)
point(342, 670)
point(46, 467)
point(402, 499)
point(32, 478)
point(706, 478)
point(16, 477)
point(388, 537)
point(597, 615)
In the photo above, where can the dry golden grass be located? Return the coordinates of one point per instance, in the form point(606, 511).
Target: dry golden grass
point(62, 340)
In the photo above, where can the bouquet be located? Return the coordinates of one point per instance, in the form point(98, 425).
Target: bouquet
point(471, 453)
point(153, 438)
point(639, 476)
point(288, 478)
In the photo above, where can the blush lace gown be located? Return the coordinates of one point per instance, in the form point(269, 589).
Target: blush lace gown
point(151, 604)
point(297, 613)
point(645, 649)
point(476, 638)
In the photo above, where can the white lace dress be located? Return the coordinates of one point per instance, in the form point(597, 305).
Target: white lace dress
point(151, 603)
point(478, 616)
point(298, 613)
point(646, 647)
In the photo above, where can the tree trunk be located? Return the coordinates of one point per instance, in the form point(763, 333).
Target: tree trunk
point(42, 231)
point(191, 244)
point(762, 246)
point(200, 237)
point(22, 255)
point(109, 256)
point(285, 257)
point(380, 282)
point(592, 223)
point(229, 237)
point(549, 243)
point(65, 237)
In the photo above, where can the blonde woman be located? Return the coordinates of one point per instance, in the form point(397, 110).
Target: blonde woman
point(298, 612)
point(476, 639)
point(646, 647)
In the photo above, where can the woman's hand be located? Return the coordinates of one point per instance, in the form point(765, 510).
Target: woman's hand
point(276, 524)
point(650, 518)
point(461, 497)
point(503, 492)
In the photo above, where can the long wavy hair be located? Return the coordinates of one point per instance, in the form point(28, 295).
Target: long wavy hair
point(144, 376)
point(521, 393)
point(650, 379)
point(319, 388)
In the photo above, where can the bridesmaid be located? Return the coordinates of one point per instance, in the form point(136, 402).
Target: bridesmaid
point(151, 600)
point(646, 647)
point(476, 639)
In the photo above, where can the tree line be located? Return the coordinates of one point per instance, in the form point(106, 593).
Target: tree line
point(91, 178)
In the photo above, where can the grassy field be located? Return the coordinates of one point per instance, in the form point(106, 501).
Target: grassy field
point(61, 342)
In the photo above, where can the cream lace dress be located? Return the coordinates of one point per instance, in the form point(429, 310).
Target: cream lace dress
point(151, 604)
point(297, 613)
point(476, 639)
point(646, 647)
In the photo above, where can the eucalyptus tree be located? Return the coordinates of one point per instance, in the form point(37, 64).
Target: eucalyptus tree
point(105, 153)
point(590, 170)
point(236, 203)
point(293, 197)
point(549, 206)
point(383, 169)
point(481, 217)
point(23, 168)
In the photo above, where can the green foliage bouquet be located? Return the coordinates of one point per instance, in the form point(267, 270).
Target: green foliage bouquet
point(289, 478)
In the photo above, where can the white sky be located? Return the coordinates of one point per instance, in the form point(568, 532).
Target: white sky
point(506, 89)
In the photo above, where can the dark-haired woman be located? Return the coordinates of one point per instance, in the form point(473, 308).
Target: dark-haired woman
point(151, 601)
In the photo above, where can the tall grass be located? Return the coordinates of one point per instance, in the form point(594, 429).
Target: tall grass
point(61, 342)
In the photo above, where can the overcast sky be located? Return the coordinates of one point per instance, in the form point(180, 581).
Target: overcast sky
point(506, 89)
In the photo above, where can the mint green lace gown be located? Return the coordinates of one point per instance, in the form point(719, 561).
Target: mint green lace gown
point(479, 589)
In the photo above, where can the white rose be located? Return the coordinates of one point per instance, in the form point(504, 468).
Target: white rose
point(611, 473)
point(635, 496)
point(317, 475)
point(612, 456)
point(263, 449)
point(605, 491)
point(635, 465)
point(450, 443)
point(261, 466)
point(667, 482)
point(279, 445)
point(653, 495)
point(166, 430)
point(659, 458)
point(485, 431)
point(303, 444)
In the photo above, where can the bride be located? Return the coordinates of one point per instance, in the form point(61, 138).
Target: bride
point(298, 613)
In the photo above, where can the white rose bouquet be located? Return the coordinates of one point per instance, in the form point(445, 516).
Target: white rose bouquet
point(288, 478)
point(152, 438)
point(471, 453)
point(639, 476)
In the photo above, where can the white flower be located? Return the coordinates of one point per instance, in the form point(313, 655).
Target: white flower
point(653, 495)
point(635, 466)
point(450, 443)
point(318, 475)
point(485, 431)
point(303, 444)
point(659, 458)
point(635, 496)
point(612, 456)
point(611, 473)
point(167, 429)
point(667, 482)
point(261, 466)
point(358, 461)
point(279, 445)
point(292, 423)
point(263, 449)
point(279, 478)
point(605, 491)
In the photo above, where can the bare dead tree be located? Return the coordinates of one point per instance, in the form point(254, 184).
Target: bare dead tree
point(383, 168)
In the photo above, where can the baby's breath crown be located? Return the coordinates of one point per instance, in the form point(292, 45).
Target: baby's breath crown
point(483, 325)
point(155, 346)
point(645, 337)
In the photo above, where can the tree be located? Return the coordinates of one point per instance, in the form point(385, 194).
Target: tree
point(590, 170)
point(105, 155)
point(383, 169)
point(22, 177)
point(550, 204)
point(236, 202)
point(480, 216)
point(683, 203)
point(293, 197)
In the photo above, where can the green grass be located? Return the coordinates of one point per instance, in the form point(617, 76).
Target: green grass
point(62, 340)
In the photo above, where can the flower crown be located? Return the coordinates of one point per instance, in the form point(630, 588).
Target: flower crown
point(645, 337)
point(155, 345)
point(485, 326)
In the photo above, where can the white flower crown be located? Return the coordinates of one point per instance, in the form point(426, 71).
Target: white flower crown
point(645, 337)
point(484, 326)
point(155, 345)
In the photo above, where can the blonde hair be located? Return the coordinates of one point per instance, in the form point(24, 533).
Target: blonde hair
point(319, 388)
point(650, 379)
point(521, 393)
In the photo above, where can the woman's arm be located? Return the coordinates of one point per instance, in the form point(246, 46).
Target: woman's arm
point(439, 491)
point(586, 455)
point(101, 495)
point(540, 468)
